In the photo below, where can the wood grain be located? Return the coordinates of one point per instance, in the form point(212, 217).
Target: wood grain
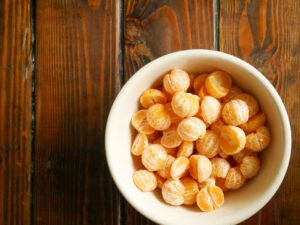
point(155, 28)
point(267, 35)
point(77, 78)
point(15, 111)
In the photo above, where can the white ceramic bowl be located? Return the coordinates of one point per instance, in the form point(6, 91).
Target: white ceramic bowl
point(240, 204)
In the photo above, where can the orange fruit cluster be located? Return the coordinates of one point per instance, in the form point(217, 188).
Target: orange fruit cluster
point(197, 137)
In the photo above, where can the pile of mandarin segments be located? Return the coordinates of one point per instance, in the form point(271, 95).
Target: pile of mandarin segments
point(198, 137)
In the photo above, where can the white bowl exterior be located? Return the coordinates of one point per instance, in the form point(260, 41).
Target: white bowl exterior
point(239, 205)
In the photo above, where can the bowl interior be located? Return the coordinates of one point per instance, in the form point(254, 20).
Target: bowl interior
point(239, 204)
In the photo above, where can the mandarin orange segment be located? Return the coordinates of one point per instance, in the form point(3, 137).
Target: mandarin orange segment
point(260, 140)
point(250, 166)
point(250, 101)
point(190, 129)
point(210, 198)
point(154, 157)
point(220, 167)
point(254, 123)
point(171, 138)
point(186, 149)
point(199, 81)
point(218, 84)
point(194, 166)
point(165, 171)
point(140, 143)
point(185, 104)
point(204, 201)
point(172, 192)
point(235, 112)
point(158, 118)
point(140, 123)
point(232, 139)
point(191, 190)
point(233, 92)
point(216, 195)
point(204, 168)
point(180, 167)
point(210, 109)
point(145, 180)
point(208, 145)
point(234, 179)
point(177, 80)
point(151, 97)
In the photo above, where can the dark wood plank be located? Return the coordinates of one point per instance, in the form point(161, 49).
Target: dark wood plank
point(155, 28)
point(77, 78)
point(15, 112)
point(266, 34)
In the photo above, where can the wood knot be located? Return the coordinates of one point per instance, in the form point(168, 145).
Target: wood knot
point(94, 4)
point(133, 31)
point(54, 163)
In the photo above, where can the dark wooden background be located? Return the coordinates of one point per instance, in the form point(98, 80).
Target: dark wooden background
point(62, 62)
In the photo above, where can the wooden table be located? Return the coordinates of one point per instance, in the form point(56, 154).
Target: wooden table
point(62, 63)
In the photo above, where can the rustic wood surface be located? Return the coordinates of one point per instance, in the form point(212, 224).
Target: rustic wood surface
point(56, 90)
point(15, 112)
point(77, 78)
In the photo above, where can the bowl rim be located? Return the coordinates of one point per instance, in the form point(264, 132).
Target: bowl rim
point(271, 190)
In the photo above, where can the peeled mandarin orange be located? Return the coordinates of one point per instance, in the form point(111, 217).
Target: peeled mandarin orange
point(210, 109)
point(190, 129)
point(199, 81)
point(185, 149)
point(177, 80)
point(250, 166)
point(140, 143)
point(235, 112)
point(154, 157)
point(151, 97)
point(173, 192)
point(171, 138)
point(180, 167)
point(234, 179)
point(185, 104)
point(158, 118)
point(254, 122)
point(145, 180)
point(218, 84)
point(165, 171)
point(208, 144)
point(250, 101)
point(260, 140)
point(140, 123)
point(232, 139)
point(220, 167)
